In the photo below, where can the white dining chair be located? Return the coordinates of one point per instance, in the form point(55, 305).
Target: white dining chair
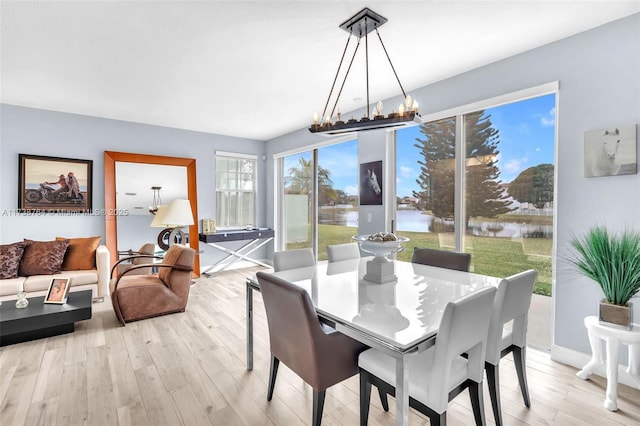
point(439, 373)
point(346, 251)
point(511, 303)
point(293, 259)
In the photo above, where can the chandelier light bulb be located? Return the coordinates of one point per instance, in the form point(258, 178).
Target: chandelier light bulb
point(415, 106)
point(379, 107)
point(408, 102)
point(315, 117)
point(401, 110)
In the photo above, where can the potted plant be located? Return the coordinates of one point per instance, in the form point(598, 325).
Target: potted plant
point(613, 261)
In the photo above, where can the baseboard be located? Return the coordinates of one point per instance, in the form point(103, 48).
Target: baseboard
point(578, 360)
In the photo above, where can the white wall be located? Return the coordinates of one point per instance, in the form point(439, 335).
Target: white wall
point(40, 132)
point(599, 79)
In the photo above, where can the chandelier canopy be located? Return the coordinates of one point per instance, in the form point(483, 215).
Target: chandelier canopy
point(328, 124)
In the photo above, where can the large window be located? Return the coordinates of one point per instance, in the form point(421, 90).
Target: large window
point(235, 190)
point(482, 181)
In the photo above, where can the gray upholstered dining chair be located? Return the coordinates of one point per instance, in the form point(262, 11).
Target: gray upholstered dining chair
point(297, 339)
point(346, 251)
point(293, 259)
point(442, 258)
point(440, 373)
point(511, 303)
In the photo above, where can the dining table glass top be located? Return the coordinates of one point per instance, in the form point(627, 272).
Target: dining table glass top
point(399, 314)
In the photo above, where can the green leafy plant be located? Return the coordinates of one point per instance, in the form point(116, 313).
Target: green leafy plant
point(611, 260)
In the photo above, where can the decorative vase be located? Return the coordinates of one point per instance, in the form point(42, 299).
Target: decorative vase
point(615, 315)
point(22, 301)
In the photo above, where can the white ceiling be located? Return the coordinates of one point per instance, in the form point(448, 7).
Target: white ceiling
point(255, 69)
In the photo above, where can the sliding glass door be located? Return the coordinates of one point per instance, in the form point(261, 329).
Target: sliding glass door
point(320, 197)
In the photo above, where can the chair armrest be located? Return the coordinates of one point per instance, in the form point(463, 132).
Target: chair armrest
point(125, 259)
point(159, 265)
point(102, 267)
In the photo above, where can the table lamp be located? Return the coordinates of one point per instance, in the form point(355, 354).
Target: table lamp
point(173, 218)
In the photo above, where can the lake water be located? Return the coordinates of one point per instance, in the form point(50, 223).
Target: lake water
point(415, 221)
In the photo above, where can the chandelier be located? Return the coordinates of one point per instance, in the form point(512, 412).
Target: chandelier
point(153, 209)
point(332, 123)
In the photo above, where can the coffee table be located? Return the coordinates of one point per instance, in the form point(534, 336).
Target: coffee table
point(39, 320)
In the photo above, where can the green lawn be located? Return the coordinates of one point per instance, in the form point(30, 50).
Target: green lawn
point(498, 257)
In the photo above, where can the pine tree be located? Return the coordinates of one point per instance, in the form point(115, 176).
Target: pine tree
point(485, 196)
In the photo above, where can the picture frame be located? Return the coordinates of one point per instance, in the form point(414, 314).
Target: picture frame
point(58, 292)
point(54, 184)
point(610, 151)
point(371, 183)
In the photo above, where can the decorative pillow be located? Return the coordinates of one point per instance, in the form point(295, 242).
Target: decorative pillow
point(10, 255)
point(81, 253)
point(42, 257)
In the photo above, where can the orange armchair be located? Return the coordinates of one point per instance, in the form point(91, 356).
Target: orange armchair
point(135, 297)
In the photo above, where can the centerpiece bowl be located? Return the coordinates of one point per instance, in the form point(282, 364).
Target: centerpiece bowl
point(380, 269)
point(380, 249)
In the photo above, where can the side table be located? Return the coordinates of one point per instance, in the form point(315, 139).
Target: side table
point(613, 337)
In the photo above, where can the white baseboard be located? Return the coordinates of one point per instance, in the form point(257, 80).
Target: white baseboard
point(578, 360)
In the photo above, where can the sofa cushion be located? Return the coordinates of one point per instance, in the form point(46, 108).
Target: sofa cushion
point(78, 278)
point(42, 257)
point(81, 253)
point(11, 286)
point(10, 256)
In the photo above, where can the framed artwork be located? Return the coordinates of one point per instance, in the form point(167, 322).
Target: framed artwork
point(54, 184)
point(58, 291)
point(610, 152)
point(371, 183)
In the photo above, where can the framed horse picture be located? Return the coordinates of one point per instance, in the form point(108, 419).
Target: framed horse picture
point(371, 183)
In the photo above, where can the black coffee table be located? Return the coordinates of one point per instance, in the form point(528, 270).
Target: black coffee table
point(39, 320)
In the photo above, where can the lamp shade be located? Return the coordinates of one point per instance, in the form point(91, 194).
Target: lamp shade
point(158, 219)
point(177, 214)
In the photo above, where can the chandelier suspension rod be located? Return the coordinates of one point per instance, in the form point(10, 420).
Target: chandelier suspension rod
point(390, 63)
point(324, 111)
point(345, 77)
point(366, 46)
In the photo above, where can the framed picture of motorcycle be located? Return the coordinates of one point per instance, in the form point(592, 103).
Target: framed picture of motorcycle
point(54, 184)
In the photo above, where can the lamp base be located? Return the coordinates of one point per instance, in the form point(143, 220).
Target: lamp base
point(170, 236)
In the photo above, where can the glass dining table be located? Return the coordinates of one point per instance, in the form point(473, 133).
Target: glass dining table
point(399, 318)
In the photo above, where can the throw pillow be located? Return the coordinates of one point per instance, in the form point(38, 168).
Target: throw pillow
point(42, 257)
point(10, 256)
point(81, 253)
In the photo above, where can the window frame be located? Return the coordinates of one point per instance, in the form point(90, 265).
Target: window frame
point(253, 191)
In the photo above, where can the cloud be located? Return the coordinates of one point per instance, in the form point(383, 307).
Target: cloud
point(514, 165)
point(352, 190)
point(406, 171)
point(549, 119)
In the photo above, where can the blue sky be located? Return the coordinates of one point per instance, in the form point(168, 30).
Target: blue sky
point(527, 134)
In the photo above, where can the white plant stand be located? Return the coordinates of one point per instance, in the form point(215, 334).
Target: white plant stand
point(612, 337)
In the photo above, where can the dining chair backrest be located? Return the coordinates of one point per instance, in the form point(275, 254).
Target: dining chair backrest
point(293, 324)
point(293, 259)
point(297, 338)
point(463, 329)
point(442, 258)
point(338, 252)
point(511, 303)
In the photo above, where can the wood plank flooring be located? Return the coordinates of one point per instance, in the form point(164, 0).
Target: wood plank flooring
point(189, 369)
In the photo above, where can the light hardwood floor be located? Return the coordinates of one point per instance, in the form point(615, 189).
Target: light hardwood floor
point(189, 369)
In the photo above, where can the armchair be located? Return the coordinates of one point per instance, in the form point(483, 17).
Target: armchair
point(137, 297)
